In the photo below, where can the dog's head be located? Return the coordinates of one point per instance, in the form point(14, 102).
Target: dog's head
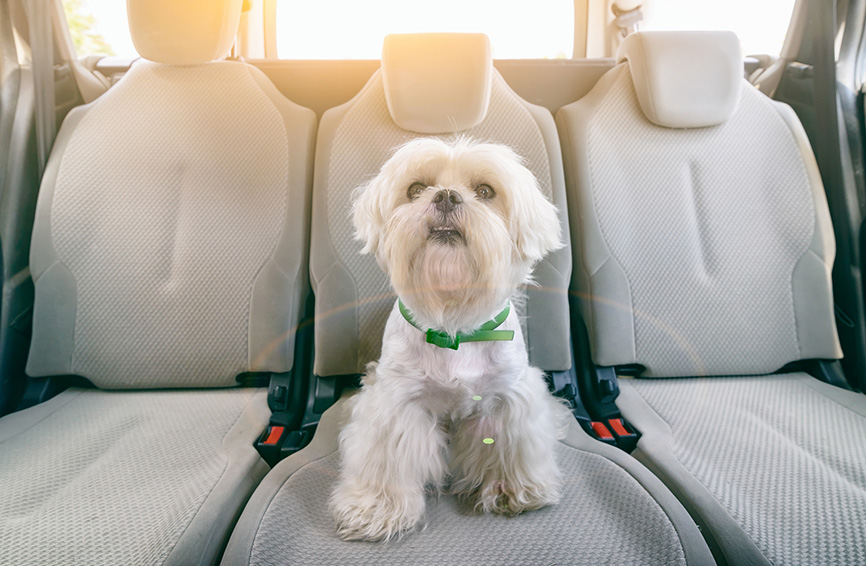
point(457, 226)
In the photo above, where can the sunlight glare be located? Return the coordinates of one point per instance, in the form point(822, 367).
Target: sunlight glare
point(355, 30)
point(760, 24)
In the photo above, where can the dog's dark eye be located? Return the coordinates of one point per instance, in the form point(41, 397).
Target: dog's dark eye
point(484, 192)
point(415, 189)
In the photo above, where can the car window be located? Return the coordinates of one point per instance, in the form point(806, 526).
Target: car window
point(335, 29)
point(760, 24)
point(99, 27)
point(543, 29)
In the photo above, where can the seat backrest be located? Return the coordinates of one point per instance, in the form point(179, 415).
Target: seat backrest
point(170, 235)
point(704, 243)
point(429, 84)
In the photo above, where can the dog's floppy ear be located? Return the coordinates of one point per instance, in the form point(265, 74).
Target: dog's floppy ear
point(368, 214)
point(535, 223)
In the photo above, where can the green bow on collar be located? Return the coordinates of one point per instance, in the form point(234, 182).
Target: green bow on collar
point(486, 332)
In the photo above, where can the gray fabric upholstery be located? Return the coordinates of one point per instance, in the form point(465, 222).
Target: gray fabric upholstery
point(704, 252)
point(169, 242)
point(774, 467)
point(681, 227)
point(613, 512)
point(95, 477)
point(169, 250)
point(353, 296)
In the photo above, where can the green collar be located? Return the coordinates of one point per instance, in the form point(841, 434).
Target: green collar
point(486, 332)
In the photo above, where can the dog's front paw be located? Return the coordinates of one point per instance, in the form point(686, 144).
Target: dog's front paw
point(375, 514)
point(511, 498)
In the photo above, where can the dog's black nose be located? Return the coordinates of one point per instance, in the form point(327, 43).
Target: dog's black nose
point(446, 200)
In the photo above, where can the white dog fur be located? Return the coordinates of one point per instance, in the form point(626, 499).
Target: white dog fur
point(458, 227)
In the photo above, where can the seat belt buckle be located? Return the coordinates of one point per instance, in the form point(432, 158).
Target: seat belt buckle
point(626, 435)
point(600, 431)
point(270, 443)
point(277, 442)
point(614, 431)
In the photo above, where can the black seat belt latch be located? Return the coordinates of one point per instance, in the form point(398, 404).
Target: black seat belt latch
point(283, 436)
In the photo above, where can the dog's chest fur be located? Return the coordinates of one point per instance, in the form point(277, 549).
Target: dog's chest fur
point(451, 382)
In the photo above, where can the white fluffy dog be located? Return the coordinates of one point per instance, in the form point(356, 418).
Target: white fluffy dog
point(458, 227)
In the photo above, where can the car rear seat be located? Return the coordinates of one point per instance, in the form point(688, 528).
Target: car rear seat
point(168, 252)
point(705, 249)
point(613, 510)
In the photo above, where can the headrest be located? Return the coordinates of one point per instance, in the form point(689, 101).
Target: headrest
point(183, 32)
point(685, 79)
point(437, 83)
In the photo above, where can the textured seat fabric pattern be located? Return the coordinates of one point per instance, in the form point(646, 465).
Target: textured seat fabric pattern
point(169, 250)
point(797, 489)
point(155, 250)
point(93, 477)
point(601, 520)
point(612, 512)
point(706, 251)
point(353, 295)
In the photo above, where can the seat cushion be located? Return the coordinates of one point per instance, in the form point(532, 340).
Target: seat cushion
point(97, 477)
point(612, 512)
point(773, 467)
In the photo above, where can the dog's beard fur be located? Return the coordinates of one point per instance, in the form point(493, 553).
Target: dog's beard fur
point(451, 285)
point(454, 267)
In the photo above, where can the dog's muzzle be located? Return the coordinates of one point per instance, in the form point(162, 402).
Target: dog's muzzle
point(442, 229)
point(445, 234)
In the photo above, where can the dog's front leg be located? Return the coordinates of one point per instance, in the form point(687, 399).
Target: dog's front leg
point(391, 448)
point(504, 457)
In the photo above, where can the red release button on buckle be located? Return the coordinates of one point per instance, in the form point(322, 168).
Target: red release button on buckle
point(274, 435)
point(618, 427)
point(601, 430)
